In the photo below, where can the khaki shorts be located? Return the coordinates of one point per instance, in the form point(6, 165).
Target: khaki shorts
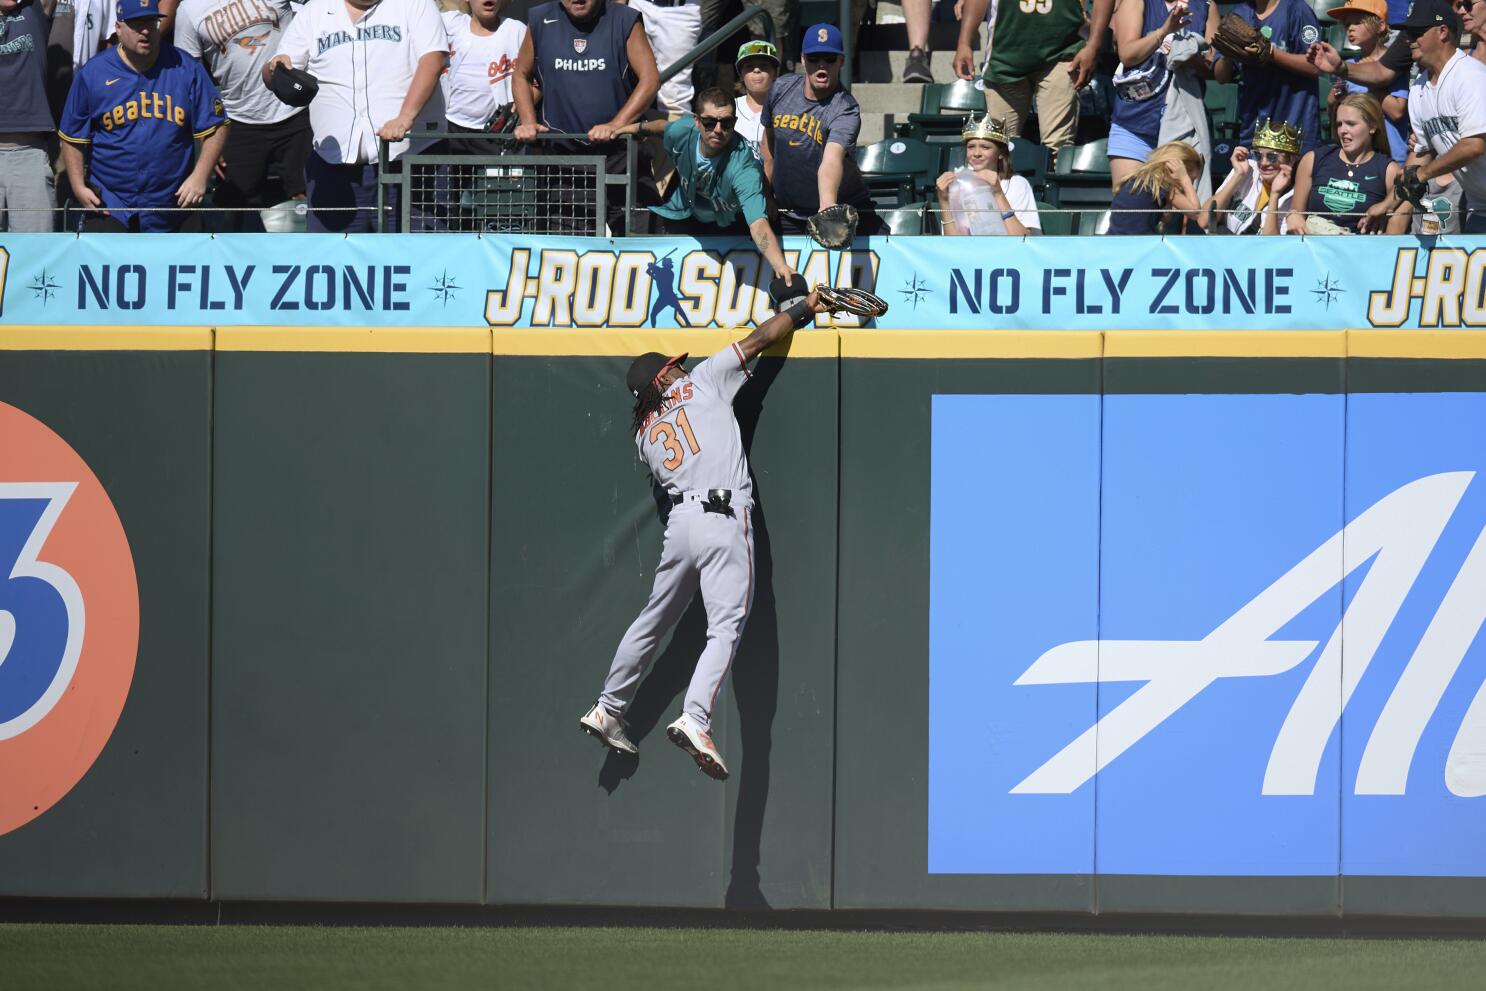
point(1057, 103)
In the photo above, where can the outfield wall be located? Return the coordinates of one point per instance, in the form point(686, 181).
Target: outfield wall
point(381, 572)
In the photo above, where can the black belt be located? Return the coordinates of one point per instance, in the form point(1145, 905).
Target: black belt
point(715, 500)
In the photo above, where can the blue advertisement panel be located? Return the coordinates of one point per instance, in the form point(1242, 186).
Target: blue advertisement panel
point(1237, 732)
point(468, 280)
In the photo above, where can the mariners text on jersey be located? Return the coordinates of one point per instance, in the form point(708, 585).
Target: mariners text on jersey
point(370, 32)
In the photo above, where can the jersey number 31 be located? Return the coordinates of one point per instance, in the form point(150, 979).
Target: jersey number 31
point(665, 434)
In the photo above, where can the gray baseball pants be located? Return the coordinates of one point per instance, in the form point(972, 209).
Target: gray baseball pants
point(703, 550)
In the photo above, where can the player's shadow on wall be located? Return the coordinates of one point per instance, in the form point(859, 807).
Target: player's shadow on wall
point(754, 677)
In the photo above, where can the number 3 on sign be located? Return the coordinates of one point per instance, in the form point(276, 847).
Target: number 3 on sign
point(665, 433)
point(1036, 6)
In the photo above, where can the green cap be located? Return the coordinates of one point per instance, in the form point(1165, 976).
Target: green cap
point(758, 49)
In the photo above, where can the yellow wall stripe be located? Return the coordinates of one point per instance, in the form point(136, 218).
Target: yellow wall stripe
point(377, 340)
point(1225, 344)
point(809, 343)
point(1417, 343)
point(22, 337)
point(625, 343)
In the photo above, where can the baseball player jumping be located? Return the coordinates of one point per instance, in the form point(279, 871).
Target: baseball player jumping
point(687, 435)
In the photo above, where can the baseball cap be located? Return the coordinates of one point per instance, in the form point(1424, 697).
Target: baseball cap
point(130, 10)
point(822, 38)
point(1377, 8)
point(1426, 14)
point(644, 369)
point(757, 49)
point(295, 87)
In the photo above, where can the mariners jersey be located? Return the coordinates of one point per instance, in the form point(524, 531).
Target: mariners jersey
point(142, 127)
point(692, 443)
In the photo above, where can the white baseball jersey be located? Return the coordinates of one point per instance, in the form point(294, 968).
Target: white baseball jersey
point(1244, 215)
point(1444, 110)
point(750, 125)
point(672, 32)
point(478, 79)
point(364, 69)
point(234, 39)
point(692, 443)
point(92, 26)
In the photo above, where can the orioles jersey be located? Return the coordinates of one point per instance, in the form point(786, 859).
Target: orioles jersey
point(692, 442)
point(142, 128)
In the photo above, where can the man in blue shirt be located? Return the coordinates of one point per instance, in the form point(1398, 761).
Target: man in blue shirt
point(26, 124)
point(139, 109)
point(1282, 89)
point(719, 185)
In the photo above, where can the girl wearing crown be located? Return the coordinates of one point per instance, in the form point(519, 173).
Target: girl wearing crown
point(986, 197)
point(1256, 194)
point(1336, 183)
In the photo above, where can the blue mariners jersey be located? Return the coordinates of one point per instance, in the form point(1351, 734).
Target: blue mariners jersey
point(142, 128)
point(1269, 91)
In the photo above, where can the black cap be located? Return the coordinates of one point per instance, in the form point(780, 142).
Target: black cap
point(1426, 14)
point(293, 86)
point(644, 369)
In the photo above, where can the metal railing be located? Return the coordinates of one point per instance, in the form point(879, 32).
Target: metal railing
point(517, 188)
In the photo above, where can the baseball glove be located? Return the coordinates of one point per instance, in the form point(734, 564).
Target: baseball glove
point(848, 299)
point(834, 226)
point(1241, 41)
point(1409, 187)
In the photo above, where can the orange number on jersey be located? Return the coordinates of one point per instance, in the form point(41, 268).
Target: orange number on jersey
point(666, 434)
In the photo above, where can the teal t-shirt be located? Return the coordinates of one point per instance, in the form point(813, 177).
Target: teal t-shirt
point(713, 190)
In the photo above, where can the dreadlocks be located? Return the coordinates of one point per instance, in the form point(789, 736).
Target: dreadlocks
point(650, 399)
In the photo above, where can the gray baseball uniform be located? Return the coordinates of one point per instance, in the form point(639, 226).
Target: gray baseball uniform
point(692, 444)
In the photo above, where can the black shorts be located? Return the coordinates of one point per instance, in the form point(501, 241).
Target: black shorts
point(256, 151)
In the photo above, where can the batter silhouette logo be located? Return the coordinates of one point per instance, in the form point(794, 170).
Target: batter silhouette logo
point(69, 618)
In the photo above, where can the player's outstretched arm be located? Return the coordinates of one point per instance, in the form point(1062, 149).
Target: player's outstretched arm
point(780, 326)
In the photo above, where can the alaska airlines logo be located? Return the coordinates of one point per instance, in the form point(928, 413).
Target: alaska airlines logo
point(69, 618)
point(560, 287)
point(1451, 290)
point(1396, 534)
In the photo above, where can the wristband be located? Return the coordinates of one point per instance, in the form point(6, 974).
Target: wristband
point(799, 313)
point(1343, 71)
point(1008, 215)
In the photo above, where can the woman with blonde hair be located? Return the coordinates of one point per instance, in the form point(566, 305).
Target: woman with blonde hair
point(1336, 183)
point(1163, 189)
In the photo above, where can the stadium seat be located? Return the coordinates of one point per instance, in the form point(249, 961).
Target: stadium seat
point(909, 219)
point(1093, 222)
point(1030, 160)
point(1085, 159)
point(903, 164)
point(1053, 223)
point(943, 108)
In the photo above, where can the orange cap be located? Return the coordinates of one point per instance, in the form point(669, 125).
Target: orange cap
point(1378, 8)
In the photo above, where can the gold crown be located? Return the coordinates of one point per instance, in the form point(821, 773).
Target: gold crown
point(1282, 138)
point(984, 128)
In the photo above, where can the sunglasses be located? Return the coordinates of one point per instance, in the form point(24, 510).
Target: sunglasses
point(1268, 157)
point(1465, 6)
point(821, 59)
point(726, 123)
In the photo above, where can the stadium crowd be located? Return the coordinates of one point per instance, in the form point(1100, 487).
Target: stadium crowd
point(160, 115)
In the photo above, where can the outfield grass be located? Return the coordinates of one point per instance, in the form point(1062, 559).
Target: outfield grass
point(162, 958)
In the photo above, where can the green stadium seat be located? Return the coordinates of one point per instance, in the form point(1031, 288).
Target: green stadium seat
point(1054, 224)
point(905, 164)
point(963, 97)
point(928, 101)
point(908, 219)
point(1093, 222)
point(1221, 100)
point(1085, 159)
point(1030, 160)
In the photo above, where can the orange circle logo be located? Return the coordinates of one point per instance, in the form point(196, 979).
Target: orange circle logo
point(69, 618)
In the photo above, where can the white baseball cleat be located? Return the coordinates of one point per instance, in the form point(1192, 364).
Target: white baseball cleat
point(687, 735)
point(608, 728)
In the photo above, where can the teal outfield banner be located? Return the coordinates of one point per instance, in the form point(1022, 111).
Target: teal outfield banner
point(941, 283)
